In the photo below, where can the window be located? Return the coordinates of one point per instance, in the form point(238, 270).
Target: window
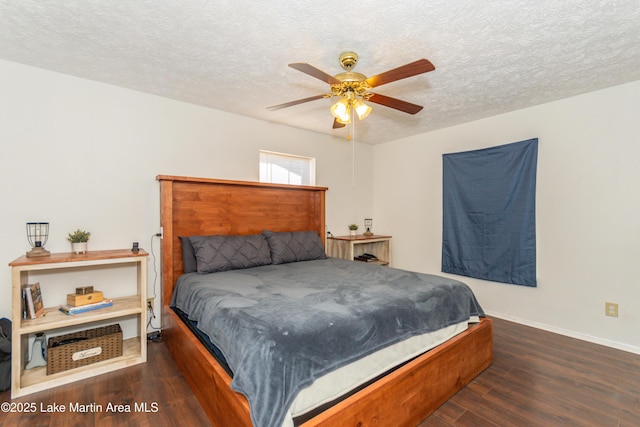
point(279, 168)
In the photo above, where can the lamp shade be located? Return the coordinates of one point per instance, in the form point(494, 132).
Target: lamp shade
point(362, 109)
point(341, 110)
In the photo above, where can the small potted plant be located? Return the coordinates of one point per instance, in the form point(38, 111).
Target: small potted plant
point(352, 229)
point(79, 239)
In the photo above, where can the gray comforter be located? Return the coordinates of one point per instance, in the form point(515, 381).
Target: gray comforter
point(282, 326)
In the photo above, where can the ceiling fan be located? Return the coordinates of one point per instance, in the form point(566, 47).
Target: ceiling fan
point(354, 88)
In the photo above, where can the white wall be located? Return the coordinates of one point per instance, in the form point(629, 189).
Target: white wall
point(78, 153)
point(588, 211)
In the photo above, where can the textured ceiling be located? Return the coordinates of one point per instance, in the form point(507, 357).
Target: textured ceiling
point(490, 56)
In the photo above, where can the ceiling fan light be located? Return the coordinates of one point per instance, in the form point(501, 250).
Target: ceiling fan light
point(344, 120)
point(341, 110)
point(362, 109)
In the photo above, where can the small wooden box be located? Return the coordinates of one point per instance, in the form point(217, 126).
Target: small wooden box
point(78, 300)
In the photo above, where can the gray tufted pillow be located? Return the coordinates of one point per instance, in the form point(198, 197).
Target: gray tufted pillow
point(294, 246)
point(221, 253)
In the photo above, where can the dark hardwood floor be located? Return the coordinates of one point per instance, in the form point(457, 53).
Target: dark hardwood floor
point(543, 379)
point(537, 379)
point(157, 382)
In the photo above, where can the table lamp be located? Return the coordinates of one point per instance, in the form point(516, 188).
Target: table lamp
point(368, 222)
point(37, 234)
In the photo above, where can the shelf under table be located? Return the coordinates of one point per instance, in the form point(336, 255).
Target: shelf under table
point(36, 379)
point(53, 318)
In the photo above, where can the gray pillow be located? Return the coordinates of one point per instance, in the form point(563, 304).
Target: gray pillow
point(189, 264)
point(221, 253)
point(294, 246)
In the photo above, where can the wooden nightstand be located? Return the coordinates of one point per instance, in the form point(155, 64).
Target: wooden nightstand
point(348, 247)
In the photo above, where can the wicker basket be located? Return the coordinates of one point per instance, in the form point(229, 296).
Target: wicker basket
point(83, 348)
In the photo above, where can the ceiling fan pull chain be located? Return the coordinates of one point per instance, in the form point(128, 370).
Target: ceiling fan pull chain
point(353, 154)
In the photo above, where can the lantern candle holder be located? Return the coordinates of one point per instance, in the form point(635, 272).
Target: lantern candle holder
point(37, 234)
point(368, 222)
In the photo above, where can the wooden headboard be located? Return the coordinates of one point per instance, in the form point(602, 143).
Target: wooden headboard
point(200, 206)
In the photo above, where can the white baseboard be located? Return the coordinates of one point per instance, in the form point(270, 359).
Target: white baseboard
point(568, 333)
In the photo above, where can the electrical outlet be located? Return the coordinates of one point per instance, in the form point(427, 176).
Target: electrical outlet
point(150, 303)
point(611, 309)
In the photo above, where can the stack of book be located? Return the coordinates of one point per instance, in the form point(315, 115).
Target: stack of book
point(366, 258)
point(85, 299)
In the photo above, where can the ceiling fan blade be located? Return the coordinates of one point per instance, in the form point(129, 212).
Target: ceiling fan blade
point(314, 72)
point(409, 70)
point(397, 104)
point(297, 101)
point(337, 124)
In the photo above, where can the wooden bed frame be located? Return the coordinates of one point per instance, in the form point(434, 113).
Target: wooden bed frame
point(196, 206)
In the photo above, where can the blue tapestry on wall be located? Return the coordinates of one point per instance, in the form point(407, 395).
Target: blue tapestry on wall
point(489, 213)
